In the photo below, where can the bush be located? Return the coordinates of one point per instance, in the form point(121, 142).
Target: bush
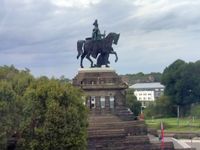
point(160, 108)
point(132, 103)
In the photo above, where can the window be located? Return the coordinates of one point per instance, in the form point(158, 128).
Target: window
point(92, 101)
point(112, 99)
point(102, 100)
point(143, 104)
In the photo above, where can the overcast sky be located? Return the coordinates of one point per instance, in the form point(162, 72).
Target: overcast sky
point(42, 34)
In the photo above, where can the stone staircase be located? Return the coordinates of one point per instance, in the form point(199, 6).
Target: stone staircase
point(109, 132)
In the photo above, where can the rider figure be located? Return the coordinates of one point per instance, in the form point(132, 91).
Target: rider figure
point(96, 38)
point(96, 34)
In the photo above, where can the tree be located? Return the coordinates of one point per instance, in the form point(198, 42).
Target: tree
point(141, 77)
point(132, 103)
point(182, 83)
point(47, 113)
point(7, 111)
point(55, 116)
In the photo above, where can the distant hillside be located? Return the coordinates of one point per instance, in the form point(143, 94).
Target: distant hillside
point(141, 77)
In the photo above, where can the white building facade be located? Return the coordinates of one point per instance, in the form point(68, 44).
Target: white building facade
point(147, 92)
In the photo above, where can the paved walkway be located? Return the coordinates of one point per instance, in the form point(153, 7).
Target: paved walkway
point(179, 143)
point(192, 143)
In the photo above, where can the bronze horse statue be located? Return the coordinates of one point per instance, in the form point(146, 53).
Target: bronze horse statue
point(101, 48)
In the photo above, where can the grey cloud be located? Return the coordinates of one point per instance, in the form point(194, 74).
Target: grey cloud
point(180, 17)
point(42, 36)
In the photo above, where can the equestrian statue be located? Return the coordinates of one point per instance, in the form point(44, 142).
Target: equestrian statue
point(99, 46)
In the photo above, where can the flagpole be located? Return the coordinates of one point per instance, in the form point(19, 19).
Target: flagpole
point(162, 135)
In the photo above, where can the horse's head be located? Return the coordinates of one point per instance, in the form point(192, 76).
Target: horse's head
point(114, 37)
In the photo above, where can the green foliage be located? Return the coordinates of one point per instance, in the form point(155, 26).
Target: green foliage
point(195, 110)
point(160, 108)
point(141, 77)
point(132, 103)
point(182, 84)
point(48, 113)
point(185, 124)
point(64, 79)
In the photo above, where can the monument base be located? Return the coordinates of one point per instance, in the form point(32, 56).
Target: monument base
point(105, 90)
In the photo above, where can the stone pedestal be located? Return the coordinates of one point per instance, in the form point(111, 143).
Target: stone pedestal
point(105, 90)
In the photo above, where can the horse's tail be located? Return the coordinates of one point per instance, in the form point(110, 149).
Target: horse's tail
point(80, 47)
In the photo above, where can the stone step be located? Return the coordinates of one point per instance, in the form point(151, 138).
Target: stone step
point(127, 141)
point(117, 124)
point(140, 139)
point(138, 143)
point(106, 127)
point(128, 131)
point(109, 132)
point(106, 133)
point(103, 119)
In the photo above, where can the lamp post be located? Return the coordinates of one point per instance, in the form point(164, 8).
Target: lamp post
point(178, 112)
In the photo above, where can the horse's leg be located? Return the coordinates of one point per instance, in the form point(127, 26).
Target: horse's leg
point(88, 57)
point(106, 56)
point(82, 57)
point(99, 61)
point(80, 48)
point(116, 57)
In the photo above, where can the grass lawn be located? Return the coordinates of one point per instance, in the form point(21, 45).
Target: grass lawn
point(171, 124)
